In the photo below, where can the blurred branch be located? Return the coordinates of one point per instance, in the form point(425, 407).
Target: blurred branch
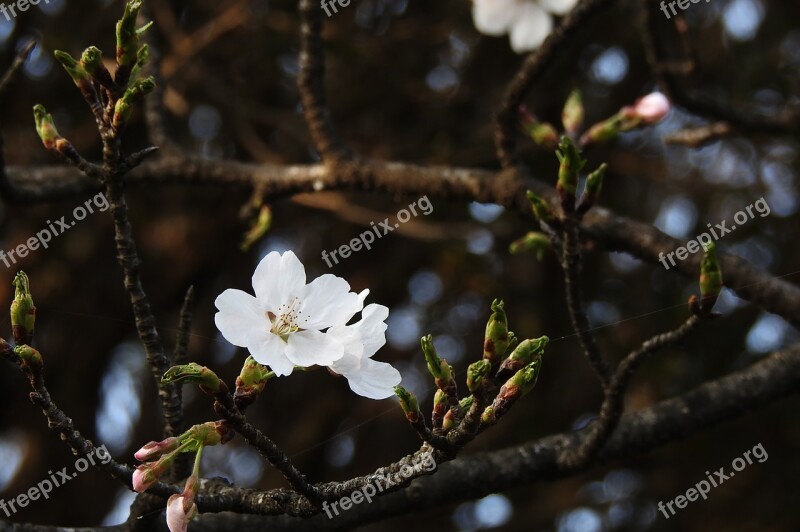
point(614, 233)
point(8, 191)
point(787, 122)
point(698, 137)
point(613, 404)
point(311, 84)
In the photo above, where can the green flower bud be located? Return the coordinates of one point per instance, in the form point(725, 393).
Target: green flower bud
point(91, 58)
point(476, 372)
point(92, 62)
point(127, 35)
point(122, 113)
point(466, 402)
point(571, 164)
point(572, 115)
point(449, 421)
point(540, 208)
point(495, 340)
point(438, 367)
point(542, 133)
point(710, 277)
point(488, 417)
point(526, 378)
point(193, 373)
point(594, 182)
point(439, 407)
point(512, 341)
point(143, 56)
point(45, 127)
point(31, 358)
point(75, 69)
point(526, 353)
point(516, 387)
point(603, 132)
point(209, 433)
point(409, 404)
point(23, 311)
point(534, 242)
point(124, 107)
point(250, 382)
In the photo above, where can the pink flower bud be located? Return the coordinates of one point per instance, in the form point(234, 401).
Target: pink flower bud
point(178, 516)
point(155, 449)
point(143, 478)
point(649, 109)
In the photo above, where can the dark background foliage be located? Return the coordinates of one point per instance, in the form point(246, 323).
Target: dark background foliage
point(408, 81)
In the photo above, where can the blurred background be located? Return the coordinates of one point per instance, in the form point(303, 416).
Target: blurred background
point(409, 81)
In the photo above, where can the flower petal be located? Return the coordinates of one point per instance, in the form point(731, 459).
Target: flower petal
point(494, 17)
point(372, 328)
point(177, 518)
point(558, 7)
point(277, 278)
point(327, 301)
point(362, 296)
point(270, 350)
point(374, 380)
point(307, 348)
point(531, 28)
point(350, 338)
point(240, 316)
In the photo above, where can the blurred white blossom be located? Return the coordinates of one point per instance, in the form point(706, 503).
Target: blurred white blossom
point(527, 22)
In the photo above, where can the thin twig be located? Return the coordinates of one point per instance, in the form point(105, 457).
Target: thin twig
point(613, 403)
point(184, 326)
point(128, 259)
point(571, 263)
point(267, 448)
point(7, 189)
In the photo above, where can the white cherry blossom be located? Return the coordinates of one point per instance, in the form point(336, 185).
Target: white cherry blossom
point(290, 323)
point(361, 340)
point(282, 326)
point(527, 22)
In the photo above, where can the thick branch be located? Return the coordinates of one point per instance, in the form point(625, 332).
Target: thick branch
point(311, 83)
point(614, 233)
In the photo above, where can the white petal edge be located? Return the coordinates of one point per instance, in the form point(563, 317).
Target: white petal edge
point(530, 29)
point(494, 17)
point(271, 351)
point(309, 348)
point(374, 380)
point(240, 316)
point(558, 7)
point(372, 328)
point(278, 278)
point(327, 301)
